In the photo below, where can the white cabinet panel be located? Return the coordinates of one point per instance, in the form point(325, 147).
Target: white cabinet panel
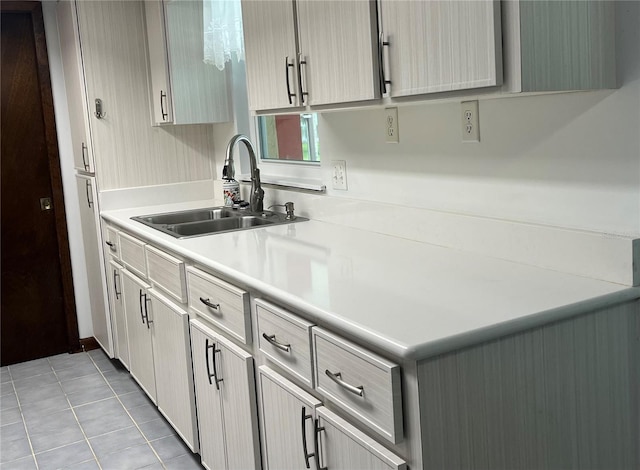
point(139, 323)
point(270, 52)
point(441, 45)
point(343, 447)
point(173, 371)
point(75, 86)
point(287, 416)
point(95, 269)
point(225, 394)
point(337, 41)
point(156, 42)
point(116, 301)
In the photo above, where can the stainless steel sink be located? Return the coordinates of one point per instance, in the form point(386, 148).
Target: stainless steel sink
point(198, 222)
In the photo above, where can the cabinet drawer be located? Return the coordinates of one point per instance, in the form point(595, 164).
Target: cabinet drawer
point(132, 254)
point(111, 242)
point(362, 383)
point(285, 339)
point(167, 272)
point(219, 302)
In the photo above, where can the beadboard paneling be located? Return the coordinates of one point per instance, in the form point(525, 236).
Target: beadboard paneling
point(338, 42)
point(128, 151)
point(564, 396)
point(561, 50)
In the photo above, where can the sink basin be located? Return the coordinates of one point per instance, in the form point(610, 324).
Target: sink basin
point(182, 217)
point(198, 222)
point(219, 225)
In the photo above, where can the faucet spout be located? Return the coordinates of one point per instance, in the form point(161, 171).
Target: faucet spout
point(257, 194)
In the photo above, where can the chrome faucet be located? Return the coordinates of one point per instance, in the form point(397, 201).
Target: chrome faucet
point(257, 194)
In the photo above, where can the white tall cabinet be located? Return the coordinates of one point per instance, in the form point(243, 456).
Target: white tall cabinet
point(89, 219)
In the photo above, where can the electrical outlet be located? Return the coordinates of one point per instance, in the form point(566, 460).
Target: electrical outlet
point(339, 174)
point(470, 121)
point(391, 125)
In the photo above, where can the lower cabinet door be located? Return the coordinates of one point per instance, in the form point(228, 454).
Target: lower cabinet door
point(139, 318)
point(343, 447)
point(121, 338)
point(287, 415)
point(172, 361)
point(226, 400)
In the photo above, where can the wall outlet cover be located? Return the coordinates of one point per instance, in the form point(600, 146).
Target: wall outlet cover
point(470, 121)
point(392, 127)
point(339, 174)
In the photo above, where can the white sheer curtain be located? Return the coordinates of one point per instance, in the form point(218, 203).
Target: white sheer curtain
point(223, 39)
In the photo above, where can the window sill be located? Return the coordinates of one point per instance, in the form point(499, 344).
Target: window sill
point(308, 184)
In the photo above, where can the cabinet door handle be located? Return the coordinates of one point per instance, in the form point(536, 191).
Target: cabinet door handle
point(115, 284)
point(163, 96)
point(208, 346)
point(272, 340)
point(111, 245)
point(301, 61)
point(87, 186)
point(146, 311)
point(337, 378)
point(286, 74)
point(208, 303)
point(306, 453)
point(383, 79)
point(316, 443)
point(84, 161)
point(142, 295)
point(144, 314)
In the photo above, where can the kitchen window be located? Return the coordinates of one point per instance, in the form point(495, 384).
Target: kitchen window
point(291, 137)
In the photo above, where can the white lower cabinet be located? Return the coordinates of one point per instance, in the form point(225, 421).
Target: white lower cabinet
point(298, 432)
point(139, 328)
point(225, 397)
point(121, 337)
point(287, 414)
point(172, 365)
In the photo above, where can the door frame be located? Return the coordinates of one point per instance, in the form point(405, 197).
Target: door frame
point(46, 96)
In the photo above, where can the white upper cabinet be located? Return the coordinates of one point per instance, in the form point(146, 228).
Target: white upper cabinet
point(557, 46)
point(436, 46)
point(184, 89)
point(338, 60)
point(270, 53)
point(334, 61)
point(75, 86)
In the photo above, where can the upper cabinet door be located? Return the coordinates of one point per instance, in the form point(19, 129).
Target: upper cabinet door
point(158, 62)
point(270, 52)
point(75, 86)
point(338, 60)
point(436, 46)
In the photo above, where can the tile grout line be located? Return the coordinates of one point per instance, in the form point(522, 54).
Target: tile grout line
point(76, 417)
point(24, 423)
point(127, 411)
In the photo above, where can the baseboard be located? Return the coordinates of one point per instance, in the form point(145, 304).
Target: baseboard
point(87, 344)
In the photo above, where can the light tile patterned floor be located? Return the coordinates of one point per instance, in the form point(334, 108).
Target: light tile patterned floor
point(83, 411)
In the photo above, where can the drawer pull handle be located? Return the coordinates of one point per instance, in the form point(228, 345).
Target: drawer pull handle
point(307, 455)
point(337, 378)
point(112, 245)
point(277, 344)
point(208, 303)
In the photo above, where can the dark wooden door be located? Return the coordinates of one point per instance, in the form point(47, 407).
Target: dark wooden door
point(36, 313)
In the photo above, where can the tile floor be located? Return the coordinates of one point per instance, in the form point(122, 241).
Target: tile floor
point(83, 411)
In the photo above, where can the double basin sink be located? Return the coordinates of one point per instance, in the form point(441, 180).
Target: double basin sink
point(198, 222)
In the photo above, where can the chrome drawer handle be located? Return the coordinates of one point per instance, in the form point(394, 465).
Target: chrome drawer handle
point(208, 303)
point(337, 378)
point(277, 344)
